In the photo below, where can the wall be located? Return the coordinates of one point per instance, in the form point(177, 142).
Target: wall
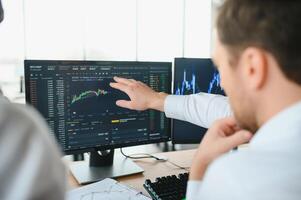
point(152, 30)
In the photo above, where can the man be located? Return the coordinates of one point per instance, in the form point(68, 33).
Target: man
point(30, 166)
point(258, 48)
point(257, 52)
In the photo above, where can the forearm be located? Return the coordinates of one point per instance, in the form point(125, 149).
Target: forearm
point(200, 164)
point(157, 103)
point(201, 109)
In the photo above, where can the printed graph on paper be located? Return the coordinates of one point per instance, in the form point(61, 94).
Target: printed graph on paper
point(107, 189)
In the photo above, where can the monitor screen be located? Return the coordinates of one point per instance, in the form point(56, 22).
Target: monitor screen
point(79, 105)
point(192, 76)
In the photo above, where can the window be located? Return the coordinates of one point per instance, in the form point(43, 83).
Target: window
point(152, 30)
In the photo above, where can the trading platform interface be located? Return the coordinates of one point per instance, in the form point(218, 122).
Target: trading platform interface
point(192, 76)
point(80, 107)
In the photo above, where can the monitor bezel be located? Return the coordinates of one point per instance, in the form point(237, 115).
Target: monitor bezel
point(29, 62)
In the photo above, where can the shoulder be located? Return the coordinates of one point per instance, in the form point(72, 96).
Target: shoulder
point(228, 176)
point(30, 153)
point(22, 124)
point(17, 116)
point(235, 164)
point(14, 111)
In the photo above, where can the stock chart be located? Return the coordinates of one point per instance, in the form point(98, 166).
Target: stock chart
point(192, 76)
point(88, 94)
point(93, 96)
point(80, 106)
point(195, 78)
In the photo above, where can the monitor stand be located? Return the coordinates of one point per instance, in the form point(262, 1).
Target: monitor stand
point(103, 165)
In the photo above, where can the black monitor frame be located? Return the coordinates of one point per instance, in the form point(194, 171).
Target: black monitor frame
point(27, 63)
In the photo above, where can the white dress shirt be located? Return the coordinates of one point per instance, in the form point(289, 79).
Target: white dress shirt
point(201, 109)
point(270, 168)
point(30, 166)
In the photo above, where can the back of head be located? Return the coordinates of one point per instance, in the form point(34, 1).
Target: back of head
point(273, 25)
point(1, 12)
point(1, 19)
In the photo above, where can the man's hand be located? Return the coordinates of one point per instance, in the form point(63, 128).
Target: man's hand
point(223, 136)
point(142, 97)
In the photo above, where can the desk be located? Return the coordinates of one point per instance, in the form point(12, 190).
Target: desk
point(153, 169)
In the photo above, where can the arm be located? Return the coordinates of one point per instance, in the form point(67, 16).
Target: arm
point(141, 96)
point(201, 109)
point(223, 136)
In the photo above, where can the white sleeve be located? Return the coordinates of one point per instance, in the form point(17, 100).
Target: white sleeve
point(201, 109)
point(193, 189)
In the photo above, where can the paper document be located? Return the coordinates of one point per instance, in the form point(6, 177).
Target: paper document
point(107, 189)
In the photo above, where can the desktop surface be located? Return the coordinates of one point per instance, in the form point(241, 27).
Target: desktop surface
point(152, 169)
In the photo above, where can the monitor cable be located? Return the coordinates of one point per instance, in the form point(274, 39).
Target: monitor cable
point(138, 156)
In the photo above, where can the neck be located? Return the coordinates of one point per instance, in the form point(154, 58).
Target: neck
point(278, 99)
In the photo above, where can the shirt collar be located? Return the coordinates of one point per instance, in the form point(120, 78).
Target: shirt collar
point(281, 132)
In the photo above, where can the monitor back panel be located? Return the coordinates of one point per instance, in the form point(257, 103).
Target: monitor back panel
point(192, 76)
point(80, 107)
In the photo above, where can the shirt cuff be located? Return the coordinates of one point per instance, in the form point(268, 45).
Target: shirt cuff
point(193, 189)
point(173, 106)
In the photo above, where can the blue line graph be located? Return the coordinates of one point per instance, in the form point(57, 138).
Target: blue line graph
point(215, 80)
point(188, 85)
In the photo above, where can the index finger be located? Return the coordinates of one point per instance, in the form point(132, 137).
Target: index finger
point(120, 86)
point(229, 125)
point(122, 80)
point(229, 121)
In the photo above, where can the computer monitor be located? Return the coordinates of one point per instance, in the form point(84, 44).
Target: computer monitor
point(79, 106)
point(192, 76)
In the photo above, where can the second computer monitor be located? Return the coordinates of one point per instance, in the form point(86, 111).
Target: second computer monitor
point(192, 76)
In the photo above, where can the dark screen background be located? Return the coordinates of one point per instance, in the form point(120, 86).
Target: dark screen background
point(191, 76)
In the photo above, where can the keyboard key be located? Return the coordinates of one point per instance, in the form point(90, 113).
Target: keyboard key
point(167, 187)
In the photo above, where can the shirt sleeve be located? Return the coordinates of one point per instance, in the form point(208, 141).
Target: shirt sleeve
point(193, 189)
point(33, 165)
point(201, 109)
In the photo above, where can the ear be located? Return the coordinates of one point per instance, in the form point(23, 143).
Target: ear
point(254, 67)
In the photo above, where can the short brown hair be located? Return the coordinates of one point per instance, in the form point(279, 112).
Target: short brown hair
point(273, 25)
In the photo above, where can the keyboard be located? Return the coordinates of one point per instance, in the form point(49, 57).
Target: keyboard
point(167, 187)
